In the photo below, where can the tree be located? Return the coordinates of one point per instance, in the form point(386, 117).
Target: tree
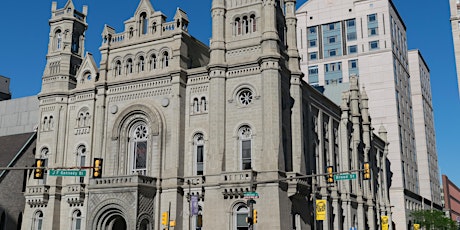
point(433, 219)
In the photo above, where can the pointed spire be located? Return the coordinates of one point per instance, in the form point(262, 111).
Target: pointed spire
point(145, 5)
point(69, 4)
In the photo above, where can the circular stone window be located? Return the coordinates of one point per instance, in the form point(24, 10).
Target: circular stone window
point(245, 96)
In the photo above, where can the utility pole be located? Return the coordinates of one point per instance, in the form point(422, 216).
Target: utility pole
point(251, 202)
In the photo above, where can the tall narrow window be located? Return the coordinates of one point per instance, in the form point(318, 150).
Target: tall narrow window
point(240, 214)
point(58, 40)
point(143, 23)
point(198, 142)
point(253, 23)
point(141, 64)
point(37, 221)
point(138, 136)
point(245, 25)
point(245, 136)
point(153, 62)
point(165, 59)
point(81, 159)
point(76, 220)
point(237, 26)
point(118, 68)
point(129, 66)
point(44, 155)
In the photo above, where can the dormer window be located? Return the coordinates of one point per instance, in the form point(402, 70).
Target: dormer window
point(143, 23)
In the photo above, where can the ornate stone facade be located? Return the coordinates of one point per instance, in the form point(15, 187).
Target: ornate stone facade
point(173, 120)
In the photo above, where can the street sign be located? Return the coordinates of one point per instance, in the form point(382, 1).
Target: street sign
point(251, 195)
point(53, 172)
point(348, 176)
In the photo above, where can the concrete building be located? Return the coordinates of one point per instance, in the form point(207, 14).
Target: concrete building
point(455, 23)
point(5, 93)
point(451, 199)
point(339, 39)
point(18, 117)
point(188, 129)
point(423, 117)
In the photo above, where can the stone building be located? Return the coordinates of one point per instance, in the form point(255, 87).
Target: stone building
point(179, 124)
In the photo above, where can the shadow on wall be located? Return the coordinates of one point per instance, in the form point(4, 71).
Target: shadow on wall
point(7, 222)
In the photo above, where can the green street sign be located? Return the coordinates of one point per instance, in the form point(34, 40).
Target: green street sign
point(251, 195)
point(350, 176)
point(53, 172)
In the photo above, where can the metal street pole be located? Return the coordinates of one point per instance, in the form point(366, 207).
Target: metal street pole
point(251, 202)
point(189, 205)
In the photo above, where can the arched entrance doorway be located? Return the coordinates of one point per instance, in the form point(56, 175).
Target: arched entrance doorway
point(116, 222)
point(111, 219)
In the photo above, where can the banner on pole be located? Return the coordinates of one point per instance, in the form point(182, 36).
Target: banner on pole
point(194, 205)
point(320, 209)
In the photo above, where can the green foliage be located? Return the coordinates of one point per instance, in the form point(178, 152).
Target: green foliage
point(433, 219)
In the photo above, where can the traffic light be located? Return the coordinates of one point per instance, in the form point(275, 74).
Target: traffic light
point(97, 170)
point(199, 221)
point(330, 174)
point(164, 218)
point(39, 170)
point(367, 171)
point(254, 216)
point(172, 223)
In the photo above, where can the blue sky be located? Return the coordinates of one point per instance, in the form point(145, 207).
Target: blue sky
point(24, 38)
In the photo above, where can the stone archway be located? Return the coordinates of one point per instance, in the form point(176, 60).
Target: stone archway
point(116, 222)
point(112, 219)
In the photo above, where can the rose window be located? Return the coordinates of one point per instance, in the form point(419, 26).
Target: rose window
point(245, 97)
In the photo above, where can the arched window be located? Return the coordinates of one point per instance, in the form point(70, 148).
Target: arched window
point(196, 105)
point(143, 23)
point(204, 106)
point(154, 27)
point(129, 66)
point(118, 68)
point(245, 139)
point(240, 213)
point(153, 62)
point(198, 143)
point(131, 32)
point(44, 155)
point(81, 159)
point(76, 220)
point(138, 148)
point(245, 25)
point(165, 59)
point(252, 21)
point(37, 221)
point(141, 64)
point(58, 42)
point(237, 26)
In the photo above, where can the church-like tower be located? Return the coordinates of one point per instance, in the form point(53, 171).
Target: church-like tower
point(65, 47)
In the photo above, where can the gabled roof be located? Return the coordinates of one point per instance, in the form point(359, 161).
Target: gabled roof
point(11, 146)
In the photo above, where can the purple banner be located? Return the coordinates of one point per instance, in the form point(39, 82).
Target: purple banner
point(194, 205)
